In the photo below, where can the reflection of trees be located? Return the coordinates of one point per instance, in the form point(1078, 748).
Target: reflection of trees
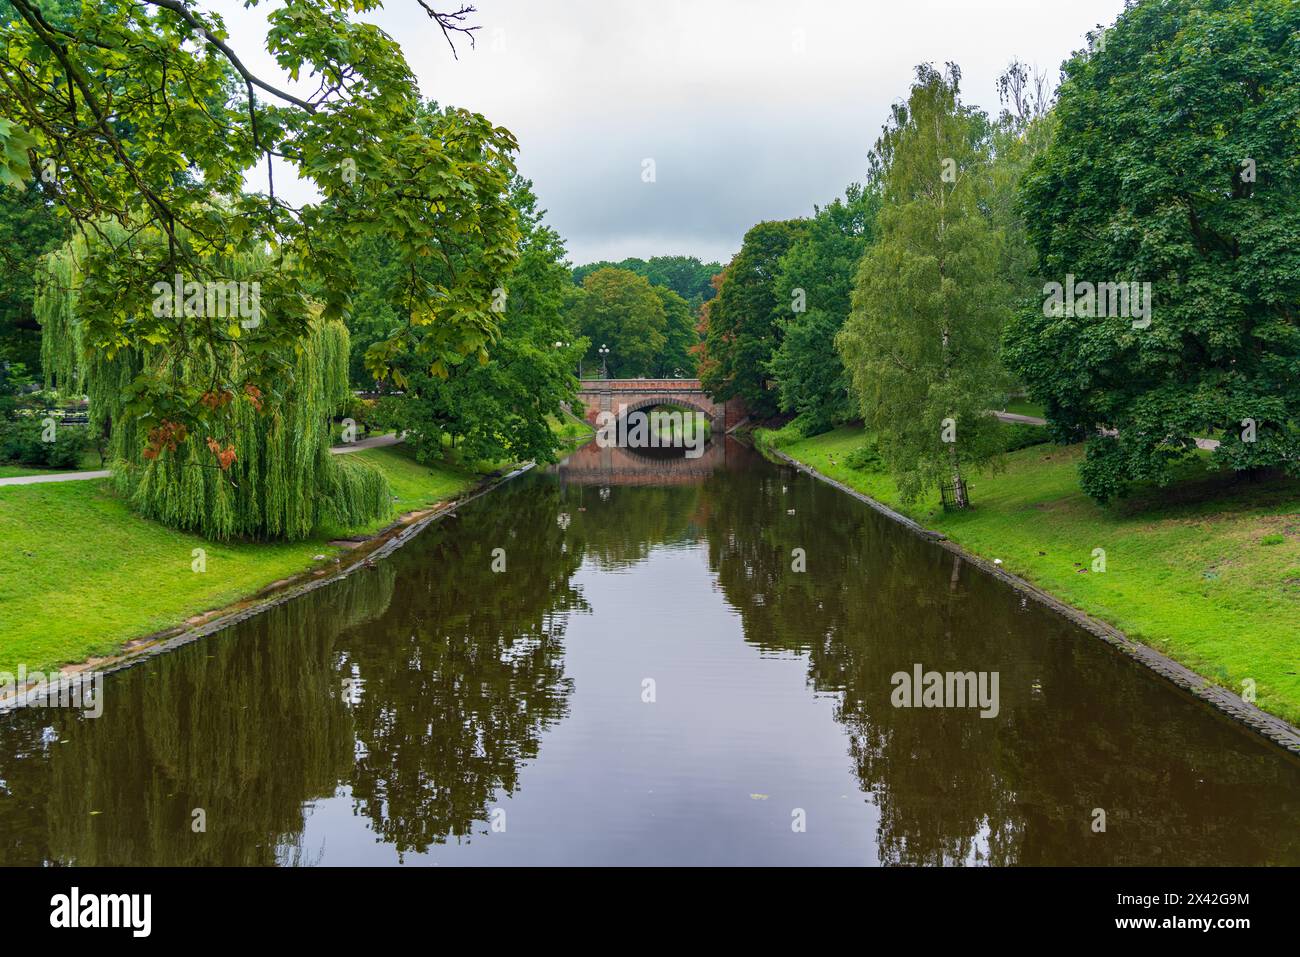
point(1175, 791)
point(1078, 728)
point(458, 672)
point(246, 725)
point(622, 510)
point(858, 612)
point(24, 791)
point(459, 680)
point(617, 527)
point(422, 683)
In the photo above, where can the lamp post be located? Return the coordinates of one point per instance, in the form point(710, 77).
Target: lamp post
point(565, 345)
point(604, 351)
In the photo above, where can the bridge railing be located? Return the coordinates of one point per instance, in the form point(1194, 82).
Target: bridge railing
point(640, 385)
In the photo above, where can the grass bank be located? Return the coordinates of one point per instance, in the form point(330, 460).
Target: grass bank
point(571, 429)
point(1207, 570)
point(90, 462)
point(80, 573)
point(1024, 407)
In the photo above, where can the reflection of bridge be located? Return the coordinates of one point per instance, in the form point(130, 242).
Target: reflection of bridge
point(622, 396)
point(613, 465)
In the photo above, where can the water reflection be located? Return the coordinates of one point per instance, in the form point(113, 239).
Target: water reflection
point(399, 681)
point(385, 717)
point(245, 727)
point(1079, 727)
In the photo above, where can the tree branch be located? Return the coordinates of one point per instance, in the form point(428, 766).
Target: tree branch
point(451, 23)
point(181, 11)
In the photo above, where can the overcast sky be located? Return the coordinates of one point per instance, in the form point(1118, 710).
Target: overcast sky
point(750, 109)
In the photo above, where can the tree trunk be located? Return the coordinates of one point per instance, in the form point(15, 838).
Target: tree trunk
point(958, 486)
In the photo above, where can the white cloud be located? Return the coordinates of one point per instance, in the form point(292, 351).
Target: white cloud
point(746, 118)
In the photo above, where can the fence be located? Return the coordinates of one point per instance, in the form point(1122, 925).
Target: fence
point(951, 498)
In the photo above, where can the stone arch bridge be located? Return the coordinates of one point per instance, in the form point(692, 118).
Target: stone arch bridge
point(623, 396)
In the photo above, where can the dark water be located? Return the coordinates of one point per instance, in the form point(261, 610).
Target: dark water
point(433, 711)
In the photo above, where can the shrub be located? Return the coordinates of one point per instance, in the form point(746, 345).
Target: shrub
point(866, 457)
point(1019, 436)
point(775, 439)
point(361, 411)
point(21, 444)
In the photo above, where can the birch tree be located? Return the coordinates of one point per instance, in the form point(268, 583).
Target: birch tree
point(921, 341)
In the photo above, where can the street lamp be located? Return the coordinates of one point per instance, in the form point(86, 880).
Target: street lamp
point(604, 351)
point(565, 345)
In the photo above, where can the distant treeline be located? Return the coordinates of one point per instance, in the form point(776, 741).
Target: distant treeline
point(684, 275)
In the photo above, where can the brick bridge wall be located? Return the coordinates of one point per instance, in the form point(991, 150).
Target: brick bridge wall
point(622, 396)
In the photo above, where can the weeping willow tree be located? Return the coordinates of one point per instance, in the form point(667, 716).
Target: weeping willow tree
point(260, 467)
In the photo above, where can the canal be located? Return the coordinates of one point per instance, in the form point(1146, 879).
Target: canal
point(643, 660)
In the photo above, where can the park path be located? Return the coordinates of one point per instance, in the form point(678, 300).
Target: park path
point(383, 441)
point(1208, 444)
point(55, 477)
point(378, 442)
point(1021, 419)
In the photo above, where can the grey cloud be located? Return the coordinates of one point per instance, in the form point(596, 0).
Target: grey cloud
point(746, 118)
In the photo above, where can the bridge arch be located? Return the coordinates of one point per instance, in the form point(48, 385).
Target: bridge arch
point(707, 409)
point(625, 396)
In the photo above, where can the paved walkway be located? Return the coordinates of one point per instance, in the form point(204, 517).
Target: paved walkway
point(1208, 444)
point(383, 441)
point(1022, 419)
point(378, 442)
point(54, 477)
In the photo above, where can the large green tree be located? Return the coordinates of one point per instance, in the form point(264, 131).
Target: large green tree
point(622, 311)
point(501, 408)
point(745, 322)
point(28, 230)
point(921, 343)
point(374, 319)
point(143, 113)
point(816, 281)
point(1022, 133)
point(679, 336)
point(685, 275)
point(268, 474)
point(1176, 161)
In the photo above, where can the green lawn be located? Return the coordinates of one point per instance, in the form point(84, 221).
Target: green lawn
point(80, 573)
point(415, 486)
point(89, 463)
point(1207, 570)
point(571, 429)
point(1024, 407)
point(17, 471)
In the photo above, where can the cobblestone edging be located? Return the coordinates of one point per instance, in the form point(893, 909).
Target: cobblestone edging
point(1275, 729)
point(388, 541)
